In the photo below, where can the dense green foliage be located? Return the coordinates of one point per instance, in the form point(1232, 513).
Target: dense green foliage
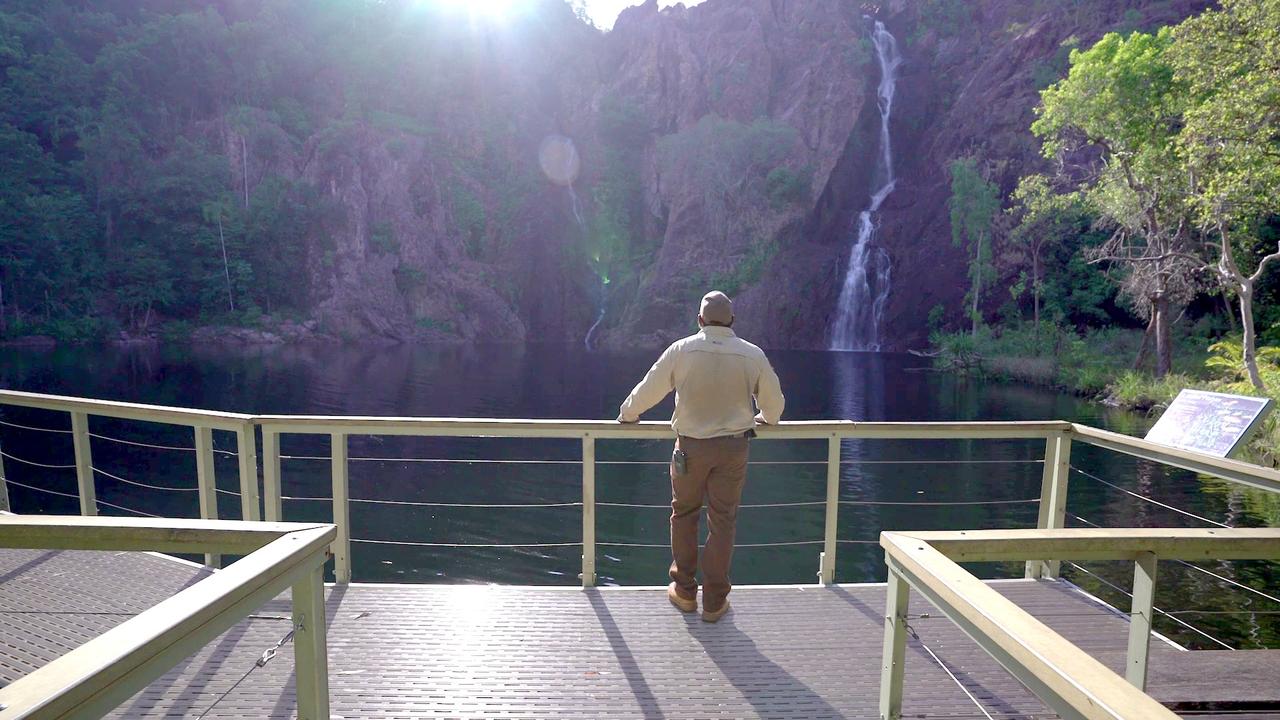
point(616, 244)
point(1165, 196)
point(1166, 152)
point(164, 160)
point(974, 203)
point(117, 197)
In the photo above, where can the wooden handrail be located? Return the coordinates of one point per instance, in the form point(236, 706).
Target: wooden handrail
point(1234, 470)
point(1067, 679)
point(72, 532)
point(128, 411)
point(1104, 543)
point(790, 429)
point(91, 680)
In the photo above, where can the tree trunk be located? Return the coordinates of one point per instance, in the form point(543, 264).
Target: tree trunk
point(225, 268)
point(1226, 305)
point(1164, 341)
point(1145, 348)
point(1035, 288)
point(244, 165)
point(977, 286)
point(1250, 335)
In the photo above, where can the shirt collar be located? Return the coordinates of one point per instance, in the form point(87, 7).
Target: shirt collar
point(717, 331)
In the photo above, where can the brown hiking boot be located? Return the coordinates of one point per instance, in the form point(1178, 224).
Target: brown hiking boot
point(681, 603)
point(714, 615)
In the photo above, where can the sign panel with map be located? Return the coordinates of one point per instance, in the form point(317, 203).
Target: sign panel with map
point(1208, 422)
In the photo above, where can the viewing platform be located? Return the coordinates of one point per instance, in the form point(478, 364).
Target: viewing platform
point(92, 626)
point(453, 651)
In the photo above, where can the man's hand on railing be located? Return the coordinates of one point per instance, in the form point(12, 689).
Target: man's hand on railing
point(760, 419)
point(625, 421)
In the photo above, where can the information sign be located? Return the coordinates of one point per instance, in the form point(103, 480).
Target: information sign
point(1208, 422)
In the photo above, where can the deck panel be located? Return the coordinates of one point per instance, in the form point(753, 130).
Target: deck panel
point(400, 651)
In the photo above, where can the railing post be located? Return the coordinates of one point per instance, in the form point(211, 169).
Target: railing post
point(1144, 595)
point(341, 508)
point(4, 488)
point(893, 659)
point(827, 563)
point(84, 463)
point(273, 505)
point(310, 648)
point(1053, 499)
point(206, 480)
point(588, 511)
point(247, 452)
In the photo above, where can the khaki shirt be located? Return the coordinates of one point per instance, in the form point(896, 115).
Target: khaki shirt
point(715, 375)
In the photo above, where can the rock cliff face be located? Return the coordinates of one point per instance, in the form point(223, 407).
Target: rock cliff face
point(729, 144)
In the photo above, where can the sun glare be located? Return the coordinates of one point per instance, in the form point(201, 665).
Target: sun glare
point(492, 9)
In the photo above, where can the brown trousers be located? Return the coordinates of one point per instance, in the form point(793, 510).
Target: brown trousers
point(715, 472)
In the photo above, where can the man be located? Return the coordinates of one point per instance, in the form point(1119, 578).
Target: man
point(715, 375)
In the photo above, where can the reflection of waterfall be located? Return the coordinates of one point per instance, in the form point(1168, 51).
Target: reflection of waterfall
point(867, 279)
point(858, 393)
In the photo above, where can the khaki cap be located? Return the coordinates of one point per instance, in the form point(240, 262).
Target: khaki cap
point(716, 308)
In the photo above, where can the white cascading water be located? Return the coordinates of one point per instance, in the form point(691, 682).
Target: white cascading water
point(582, 227)
point(604, 292)
point(866, 281)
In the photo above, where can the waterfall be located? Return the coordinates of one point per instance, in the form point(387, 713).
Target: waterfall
point(575, 206)
point(604, 295)
point(577, 213)
point(867, 279)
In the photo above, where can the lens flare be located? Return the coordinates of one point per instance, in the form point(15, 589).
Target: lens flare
point(559, 159)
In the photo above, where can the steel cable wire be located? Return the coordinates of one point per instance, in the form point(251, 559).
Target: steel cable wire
point(35, 429)
point(1197, 568)
point(1150, 500)
point(36, 464)
point(142, 484)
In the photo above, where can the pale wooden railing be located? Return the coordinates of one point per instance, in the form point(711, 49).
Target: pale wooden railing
point(1064, 677)
point(91, 680)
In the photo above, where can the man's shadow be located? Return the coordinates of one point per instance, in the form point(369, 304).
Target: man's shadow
point(772, 691)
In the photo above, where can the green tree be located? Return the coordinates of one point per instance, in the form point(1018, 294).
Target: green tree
point(1045, 219)
point(1230, 138)
point(1121, 102)
point(974, 204)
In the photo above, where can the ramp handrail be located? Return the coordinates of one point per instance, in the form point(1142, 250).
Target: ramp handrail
point(91, 680)
point(1064, 677)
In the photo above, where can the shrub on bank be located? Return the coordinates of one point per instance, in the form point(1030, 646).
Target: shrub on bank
point(1098, 364)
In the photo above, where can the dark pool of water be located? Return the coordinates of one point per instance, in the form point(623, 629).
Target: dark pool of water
point(543, 381)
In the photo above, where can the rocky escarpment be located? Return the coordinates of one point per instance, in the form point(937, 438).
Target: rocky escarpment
point(968, 86)
point(726, 145)
point(436, 222)
point(802, 66)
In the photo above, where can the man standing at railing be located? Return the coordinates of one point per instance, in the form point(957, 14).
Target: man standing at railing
point(715, 375)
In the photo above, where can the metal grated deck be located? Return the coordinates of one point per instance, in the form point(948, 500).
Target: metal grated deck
point(421, 651)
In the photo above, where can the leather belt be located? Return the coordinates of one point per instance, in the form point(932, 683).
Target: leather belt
point(748, 434)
